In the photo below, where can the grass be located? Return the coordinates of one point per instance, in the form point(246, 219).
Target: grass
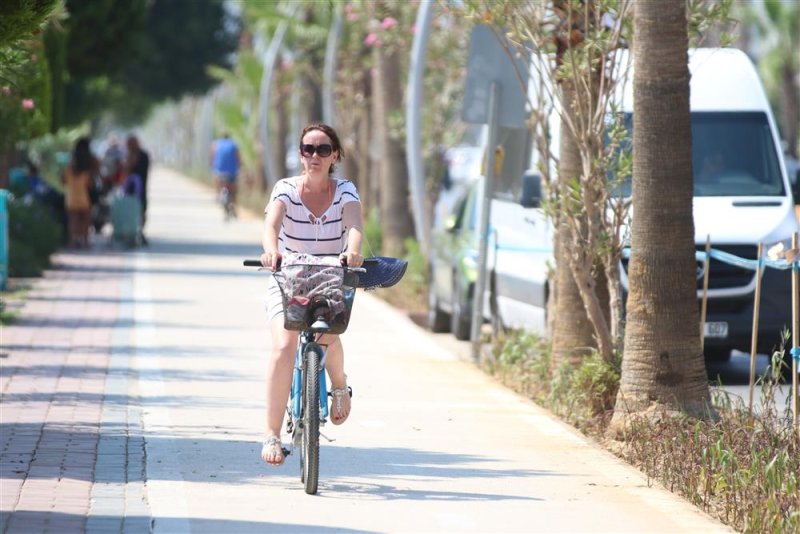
point(12, 299)
point(743, 469)
point(6, 317)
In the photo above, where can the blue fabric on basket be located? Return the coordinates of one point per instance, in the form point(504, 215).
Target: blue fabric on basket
point(382, 271)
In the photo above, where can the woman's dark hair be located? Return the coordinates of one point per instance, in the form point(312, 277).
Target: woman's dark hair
point(82, 156)
point(331, 133)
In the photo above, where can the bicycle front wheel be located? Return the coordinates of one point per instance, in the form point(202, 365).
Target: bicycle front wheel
point(309, 462)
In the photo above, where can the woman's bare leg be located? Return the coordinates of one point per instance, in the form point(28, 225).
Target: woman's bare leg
point(279, 384)
point(334, 364)
point(73, 228)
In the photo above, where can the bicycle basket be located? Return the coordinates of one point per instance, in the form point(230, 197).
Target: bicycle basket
point(315, 291)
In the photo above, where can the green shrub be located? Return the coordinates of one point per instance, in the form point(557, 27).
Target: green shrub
point(417, 271)
point(522, 360)
point(373, 235)
point(585, 394)
point(33, 237)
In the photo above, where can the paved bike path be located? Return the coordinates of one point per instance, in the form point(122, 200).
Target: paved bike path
point(132, 399)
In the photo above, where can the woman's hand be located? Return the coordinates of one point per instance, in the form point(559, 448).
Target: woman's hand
point(351, 259)
point(271, 260)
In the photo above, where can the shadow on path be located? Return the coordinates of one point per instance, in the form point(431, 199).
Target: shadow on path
point(27, 521)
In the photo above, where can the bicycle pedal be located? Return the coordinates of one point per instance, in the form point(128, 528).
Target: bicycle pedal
point(285, 451)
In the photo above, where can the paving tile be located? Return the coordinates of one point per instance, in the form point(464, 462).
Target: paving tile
point(64, 427)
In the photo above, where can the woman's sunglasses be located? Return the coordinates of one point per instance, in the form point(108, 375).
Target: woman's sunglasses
point(322, 150)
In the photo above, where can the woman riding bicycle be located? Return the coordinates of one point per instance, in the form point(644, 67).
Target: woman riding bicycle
point(318, 214)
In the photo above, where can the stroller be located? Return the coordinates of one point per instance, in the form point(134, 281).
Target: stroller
point(126, 214)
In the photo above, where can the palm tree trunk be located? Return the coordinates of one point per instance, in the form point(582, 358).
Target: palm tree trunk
point(572, 330)
point(662, 367)
point(394, 191)
point(791, 99)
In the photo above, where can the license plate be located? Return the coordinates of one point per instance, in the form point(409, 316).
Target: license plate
point(716, 329)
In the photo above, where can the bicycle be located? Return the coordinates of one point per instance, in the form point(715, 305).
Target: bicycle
point(226, 200)
point(318, 299)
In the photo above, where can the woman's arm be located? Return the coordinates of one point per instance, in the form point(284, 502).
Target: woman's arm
point(273, 220)
point(353, 221)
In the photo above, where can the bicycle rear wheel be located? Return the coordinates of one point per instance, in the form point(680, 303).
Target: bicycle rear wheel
point(309, 455)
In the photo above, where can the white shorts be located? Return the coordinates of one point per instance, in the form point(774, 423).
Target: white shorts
point(274, 301)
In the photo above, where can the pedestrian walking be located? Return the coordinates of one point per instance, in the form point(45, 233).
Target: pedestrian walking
point(78, 182)
point(138, 162)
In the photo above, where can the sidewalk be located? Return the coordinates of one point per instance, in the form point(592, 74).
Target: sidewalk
point(132, 394)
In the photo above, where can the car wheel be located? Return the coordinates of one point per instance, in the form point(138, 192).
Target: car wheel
point(460, 319)
point(438, 321)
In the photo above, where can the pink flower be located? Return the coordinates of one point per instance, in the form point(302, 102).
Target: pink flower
point(352, 17)
point(27, 103)
point(388, 22)
point(371, 39)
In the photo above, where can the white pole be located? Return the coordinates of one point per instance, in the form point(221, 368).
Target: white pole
point(704, 302)
point(483, 228)
point(754, 338)
point(270, 60)
point(329, 72)
point(416, 170)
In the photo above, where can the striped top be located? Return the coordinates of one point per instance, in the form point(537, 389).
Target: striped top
point(301, 231)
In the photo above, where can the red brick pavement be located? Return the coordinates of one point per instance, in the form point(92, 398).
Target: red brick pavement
point(55, 360)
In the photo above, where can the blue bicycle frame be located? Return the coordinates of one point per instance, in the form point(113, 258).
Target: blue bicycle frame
point(306, 339)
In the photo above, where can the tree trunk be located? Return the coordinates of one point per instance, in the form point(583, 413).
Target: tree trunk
point(6, 155)
point(791, 99)
point(573, 336)
point(281, 127)
point(396, 220)
point(662, 367)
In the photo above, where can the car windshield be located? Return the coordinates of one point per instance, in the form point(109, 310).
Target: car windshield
point(733, 154)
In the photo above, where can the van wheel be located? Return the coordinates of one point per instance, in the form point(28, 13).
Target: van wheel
point(460, 320)
point(438, 321)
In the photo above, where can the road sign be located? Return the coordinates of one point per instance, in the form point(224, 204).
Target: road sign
point(490, 62)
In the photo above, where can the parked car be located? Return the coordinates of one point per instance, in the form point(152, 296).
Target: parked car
point(454, 266)
point(517, 262)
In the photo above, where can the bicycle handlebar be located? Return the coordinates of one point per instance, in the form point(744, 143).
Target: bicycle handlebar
point(257, 263)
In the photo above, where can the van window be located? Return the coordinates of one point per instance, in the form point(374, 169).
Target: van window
point(733, 154)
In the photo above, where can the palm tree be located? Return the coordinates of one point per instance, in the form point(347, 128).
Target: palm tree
point(662, 366)
point(572, 331)
point(396, 221)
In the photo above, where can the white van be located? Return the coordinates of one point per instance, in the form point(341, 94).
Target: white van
point(742, 198)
